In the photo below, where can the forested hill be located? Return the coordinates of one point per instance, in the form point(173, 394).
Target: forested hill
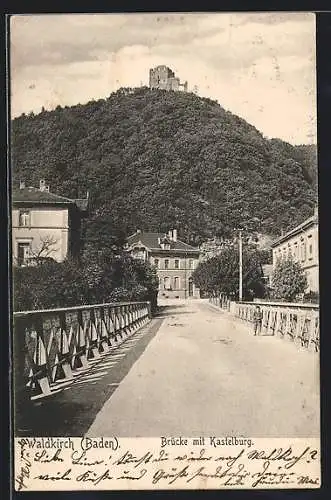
point(153, 159)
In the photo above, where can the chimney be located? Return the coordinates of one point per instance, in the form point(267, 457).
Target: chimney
point(42, 185)
point(170, 234)
point(22, 184)
point(174, 235)
point(138, 231)
point(47, 189)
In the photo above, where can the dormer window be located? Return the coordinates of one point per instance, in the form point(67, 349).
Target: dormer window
point(164, 243)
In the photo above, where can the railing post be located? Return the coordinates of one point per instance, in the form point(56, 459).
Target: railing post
point(93, 336)
point(81, 347)
point(62, 370)
point(117, 323)
point(42, 375)
point(114, 322)
point(20, 366)
point(104, 334)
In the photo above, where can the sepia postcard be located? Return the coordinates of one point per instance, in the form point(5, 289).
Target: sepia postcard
point(164, 250)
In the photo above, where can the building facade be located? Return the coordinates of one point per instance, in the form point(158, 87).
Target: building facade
point(45, 225)
point(164, 78)
point(173, 259)
point(302, 243)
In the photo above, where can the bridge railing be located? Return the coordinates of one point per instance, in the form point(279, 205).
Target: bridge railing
point(53, 345)
point(295, 321)
point(222, 302)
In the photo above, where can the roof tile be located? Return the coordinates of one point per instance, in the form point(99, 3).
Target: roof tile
point(34, 195)
point(150, 240)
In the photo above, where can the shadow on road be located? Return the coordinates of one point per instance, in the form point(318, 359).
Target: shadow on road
point(171, 310)
point(71, 412)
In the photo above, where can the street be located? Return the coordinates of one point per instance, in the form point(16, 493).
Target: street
point(204, 374)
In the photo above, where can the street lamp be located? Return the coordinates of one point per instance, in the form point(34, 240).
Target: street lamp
point(240, 264)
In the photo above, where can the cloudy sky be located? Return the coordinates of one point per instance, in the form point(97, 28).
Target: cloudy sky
point(259, 66)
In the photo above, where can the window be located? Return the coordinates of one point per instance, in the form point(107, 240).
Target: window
point(176, 264)
point(310, 251)
point(310, 247)
point(23, 253)
point(303, 251)
point(156, 262)
point(166, 282)
point(296, 250)
point(24, 218)
point(166, 264)
point(190, 264)
point(176, 283)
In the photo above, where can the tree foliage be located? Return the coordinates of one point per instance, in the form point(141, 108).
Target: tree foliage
point(288, 279)
point(220, 274)
point(53, 284)
point(153, 159)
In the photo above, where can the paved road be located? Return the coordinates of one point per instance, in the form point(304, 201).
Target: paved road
point(204, 373)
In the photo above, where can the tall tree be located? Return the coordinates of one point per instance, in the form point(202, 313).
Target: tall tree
point(220, 274)
point(288, 279)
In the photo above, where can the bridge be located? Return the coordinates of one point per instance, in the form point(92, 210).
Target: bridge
point(194, 368)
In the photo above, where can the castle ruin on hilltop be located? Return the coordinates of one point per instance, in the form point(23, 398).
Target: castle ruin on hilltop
point(164, 78)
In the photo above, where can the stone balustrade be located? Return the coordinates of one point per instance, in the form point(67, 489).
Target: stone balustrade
point(295, 321)
point(53, 345)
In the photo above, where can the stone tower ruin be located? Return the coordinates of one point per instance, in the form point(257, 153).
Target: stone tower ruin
point(164, 78)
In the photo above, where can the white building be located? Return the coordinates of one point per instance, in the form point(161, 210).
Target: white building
point(302, 243)
point(45, 224)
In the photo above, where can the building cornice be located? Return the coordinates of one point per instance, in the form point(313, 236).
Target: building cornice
point(294, 232)
point(175, 250)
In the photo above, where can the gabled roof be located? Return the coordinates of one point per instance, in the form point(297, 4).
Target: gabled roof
point(311, 221)
point(150, 240)
point(35, 196)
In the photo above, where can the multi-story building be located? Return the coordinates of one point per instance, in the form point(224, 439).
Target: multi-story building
point(164, 78)
point(45, 225)
point(302, 243)
point(174, 260)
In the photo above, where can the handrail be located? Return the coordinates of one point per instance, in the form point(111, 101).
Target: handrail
point(304, 305)
point(298, 322)
point(74, 308)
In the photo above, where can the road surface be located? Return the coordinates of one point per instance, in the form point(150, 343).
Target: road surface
point(204, 373)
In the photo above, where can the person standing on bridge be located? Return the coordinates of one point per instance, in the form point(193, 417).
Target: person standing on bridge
point(257, 319)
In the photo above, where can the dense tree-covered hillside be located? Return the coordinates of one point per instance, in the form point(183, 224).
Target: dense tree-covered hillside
point(153, 159)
